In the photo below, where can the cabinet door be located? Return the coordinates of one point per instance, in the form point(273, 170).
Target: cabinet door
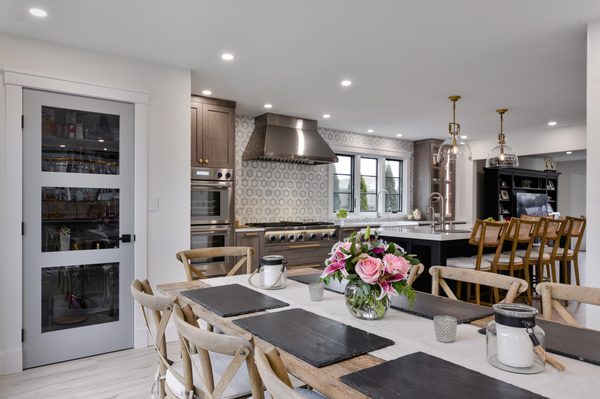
point(218, 136)
point(196, 123)
point(253, 240)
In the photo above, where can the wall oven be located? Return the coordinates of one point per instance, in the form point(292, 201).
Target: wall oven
point(211, 236)
point(212, 196)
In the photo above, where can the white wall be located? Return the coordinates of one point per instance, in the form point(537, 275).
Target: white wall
point(572, 189)
point(168, 151)
point(593, 165)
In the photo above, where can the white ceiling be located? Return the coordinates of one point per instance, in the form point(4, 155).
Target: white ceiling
point(404, 57)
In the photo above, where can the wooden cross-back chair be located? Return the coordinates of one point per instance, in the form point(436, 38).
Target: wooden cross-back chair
point(414, 273)
point(514, 286)
point(223, 366)
point(573, 230)
point(161, 308)
point(484, 235)
point(552, 293)
point(274, 375)
point(519, 232)
point(192, 272)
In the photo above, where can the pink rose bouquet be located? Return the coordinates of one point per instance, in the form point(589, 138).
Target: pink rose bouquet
point(376, 271)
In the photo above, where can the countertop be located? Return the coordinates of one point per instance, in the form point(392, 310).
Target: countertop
point(425, 233)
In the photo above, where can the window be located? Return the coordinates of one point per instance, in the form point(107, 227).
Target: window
point(371, 175)
point(368, 184)
point(343, 183)
point(393, 185)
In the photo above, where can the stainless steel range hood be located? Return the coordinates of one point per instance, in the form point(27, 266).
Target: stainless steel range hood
point(284, 138)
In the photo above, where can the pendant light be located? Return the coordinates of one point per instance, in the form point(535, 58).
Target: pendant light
point(454, 148)
point(502, 155)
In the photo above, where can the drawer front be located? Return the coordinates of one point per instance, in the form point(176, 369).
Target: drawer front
point(302, 254)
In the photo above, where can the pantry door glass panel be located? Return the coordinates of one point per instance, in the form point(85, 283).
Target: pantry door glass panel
point(78, 226)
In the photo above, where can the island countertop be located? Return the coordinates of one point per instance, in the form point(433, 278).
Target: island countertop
point(425, 233)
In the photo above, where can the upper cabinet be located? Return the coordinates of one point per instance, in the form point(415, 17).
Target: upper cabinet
point(213, 132)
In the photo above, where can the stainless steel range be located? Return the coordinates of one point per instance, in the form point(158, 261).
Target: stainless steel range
point(301, 243)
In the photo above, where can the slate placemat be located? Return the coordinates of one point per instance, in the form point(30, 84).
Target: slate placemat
point(427, 305)
point(333, 286)
point(401, 378)
point(315, 339)
point(574, 342)
point(233, 300)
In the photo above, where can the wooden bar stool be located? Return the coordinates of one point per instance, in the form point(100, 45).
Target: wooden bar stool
point(573, 230)
point(549, 232)
point(484, 235)
point(519, 232)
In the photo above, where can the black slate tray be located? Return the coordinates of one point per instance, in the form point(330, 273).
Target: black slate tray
point(427, 305)
point(232, 300)
point(313, 278)
point(407, 376)
point(315, 339)
point(577, 343)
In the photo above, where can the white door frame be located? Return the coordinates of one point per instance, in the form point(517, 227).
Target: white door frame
point(12, 213)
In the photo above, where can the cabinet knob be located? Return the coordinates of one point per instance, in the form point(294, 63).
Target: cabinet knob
point(200, 161)
point(206, 161)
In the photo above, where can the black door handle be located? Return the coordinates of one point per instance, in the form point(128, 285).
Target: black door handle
point(125, 238)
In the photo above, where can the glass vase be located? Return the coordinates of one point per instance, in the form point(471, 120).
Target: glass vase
point(365, 306)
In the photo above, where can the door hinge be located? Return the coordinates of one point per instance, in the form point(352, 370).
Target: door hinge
point(22, 121)
point(22, 335)
point(22, 228)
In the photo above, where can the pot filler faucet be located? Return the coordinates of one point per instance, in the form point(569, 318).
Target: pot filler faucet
point(431, 210)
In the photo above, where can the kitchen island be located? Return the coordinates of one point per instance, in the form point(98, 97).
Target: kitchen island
point(431, 247)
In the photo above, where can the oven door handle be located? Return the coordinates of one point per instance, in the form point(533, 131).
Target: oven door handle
point(211, 230)
point(212, 184)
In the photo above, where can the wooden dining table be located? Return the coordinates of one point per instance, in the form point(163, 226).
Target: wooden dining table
point(410, 333)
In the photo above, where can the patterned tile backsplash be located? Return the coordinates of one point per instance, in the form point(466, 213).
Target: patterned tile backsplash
point(274, 191)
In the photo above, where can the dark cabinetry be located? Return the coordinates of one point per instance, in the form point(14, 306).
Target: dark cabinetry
point(503, 185)
point(431, 176)
point(213, 132)
point(254, 240)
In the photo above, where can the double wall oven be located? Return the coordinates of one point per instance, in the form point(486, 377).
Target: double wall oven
point(212, 216)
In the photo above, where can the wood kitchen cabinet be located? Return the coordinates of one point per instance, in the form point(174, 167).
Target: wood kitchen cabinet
point(213, 132)
point(254, 240)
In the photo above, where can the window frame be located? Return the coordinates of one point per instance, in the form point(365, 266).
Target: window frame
point(352, 182)
point(381, 156)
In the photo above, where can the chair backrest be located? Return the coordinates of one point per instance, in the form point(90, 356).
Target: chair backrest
point(553, 292)
point(414, 273)
point(192, 337)
point(574, 229)
point(488, 234)
point(274, 374)
point(161, 308)
point(187, 257)
point(550, 230)
point(530, 218)
point(514, 286)
point(522, 231)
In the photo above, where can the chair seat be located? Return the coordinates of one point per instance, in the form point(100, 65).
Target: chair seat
point(239, 385)
point(464, 262)
point(504, 258)
point(533, 255)
point(559, 251)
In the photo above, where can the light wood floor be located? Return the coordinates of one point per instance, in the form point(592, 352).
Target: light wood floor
point(119, 375)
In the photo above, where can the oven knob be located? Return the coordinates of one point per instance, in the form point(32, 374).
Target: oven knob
point(325, 236)
point(228, 175)
point(272, 238)
point(291, 237)
point(333, 234)
point(219, 175)
point(282, 237)
point(312, 236)
point(300, 237)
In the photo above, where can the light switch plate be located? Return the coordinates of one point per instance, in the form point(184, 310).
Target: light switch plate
point(153, 203)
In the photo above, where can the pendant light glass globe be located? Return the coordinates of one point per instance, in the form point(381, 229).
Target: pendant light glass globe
point(454, 148)
point(502, 155)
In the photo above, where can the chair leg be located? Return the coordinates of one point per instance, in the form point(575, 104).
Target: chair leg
point(459, 289)
point(552, 267)
point(566, 277)
point(528, 279)
point(478, 294)
point(576, 267)
point(468, 292)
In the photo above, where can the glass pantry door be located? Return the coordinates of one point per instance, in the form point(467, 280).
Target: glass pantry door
point(78, 227)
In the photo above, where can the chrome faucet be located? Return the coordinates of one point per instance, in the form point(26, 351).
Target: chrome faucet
point(389, 208)
point(431, 209)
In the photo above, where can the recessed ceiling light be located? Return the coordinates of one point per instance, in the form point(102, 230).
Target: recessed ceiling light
point(552, 123)
point(62, 146)
point(100, 140)
point(326, 116)
point(399, 135)
point(346, 82)
point(227, 56)
point(464, 137)
point(105, 149)
point(370, 130)
point(268, 106)
point(206, 92)
point(38, 12)
point(569, 152)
